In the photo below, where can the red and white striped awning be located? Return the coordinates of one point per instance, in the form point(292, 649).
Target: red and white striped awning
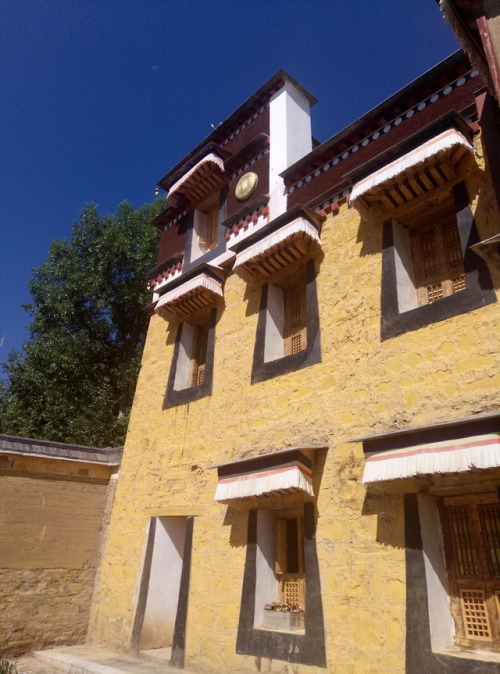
point(284, 246)
point(281, 472)
point(204, 177)
point(453, 456)
point(195, 293)
point(445, 142)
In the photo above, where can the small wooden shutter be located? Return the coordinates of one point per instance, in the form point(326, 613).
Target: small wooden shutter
point(198, 361)
point(437, 259)
point(208, 223)
point(202, 228)
point(295, 321)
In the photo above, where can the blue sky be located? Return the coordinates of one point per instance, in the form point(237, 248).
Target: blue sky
point(100, 98)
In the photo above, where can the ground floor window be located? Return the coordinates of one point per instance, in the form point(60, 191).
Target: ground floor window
point(290, 560)
point(281, 556)
point(471, 527)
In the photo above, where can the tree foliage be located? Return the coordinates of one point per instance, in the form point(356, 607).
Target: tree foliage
point(75, 379)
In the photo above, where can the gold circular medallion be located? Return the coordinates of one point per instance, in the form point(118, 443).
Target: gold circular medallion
point(246, 185)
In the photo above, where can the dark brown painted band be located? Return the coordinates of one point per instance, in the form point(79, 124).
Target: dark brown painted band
point(479, 291)
point(306, 649)
point(186, 395)
point(179, 638)
point(264, 463)
point(420, 658)
point(143, 590)
point(262, 370)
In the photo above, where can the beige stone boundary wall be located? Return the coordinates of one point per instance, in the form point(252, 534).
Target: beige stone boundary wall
point(51, 517)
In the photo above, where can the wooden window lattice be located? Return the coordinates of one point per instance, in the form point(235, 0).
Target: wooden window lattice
point(452, 246)
point(475, 614)
point(472, 546)
point(490, 520)
point(200, 343)
point(290, 560)
point(463, 543)
point(437, 259)
point(295, 321)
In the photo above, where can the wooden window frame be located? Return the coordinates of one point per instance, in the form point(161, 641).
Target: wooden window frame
point(479, 288)
point(288, 572)
point(473, 580)
point(201, 363)
point(299, 276)
point(440, 272)
point(208, 218)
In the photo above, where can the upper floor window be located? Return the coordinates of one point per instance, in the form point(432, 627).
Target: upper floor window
point(429, 272)
point(438, 261)
point(205, 225)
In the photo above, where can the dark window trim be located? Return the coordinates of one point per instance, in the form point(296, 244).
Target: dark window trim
point(262, 370)
point(419, 655)
point(306, 649)
point(479, 291)
point(186, 395)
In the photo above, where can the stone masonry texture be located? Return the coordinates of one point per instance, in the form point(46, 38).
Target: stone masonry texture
point(362, 386)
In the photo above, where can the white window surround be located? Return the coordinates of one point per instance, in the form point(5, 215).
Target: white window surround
point(275, 324)
point(405, 274)
point(440, 620)
point(266, 579)
point(183, 365)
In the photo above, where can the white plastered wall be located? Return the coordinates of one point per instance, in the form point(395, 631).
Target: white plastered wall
point(266, 585)
point(164, 583)
point(183, 365)
point(405, 275)
point(290, 132)
point(440, 620)
point(275, 324)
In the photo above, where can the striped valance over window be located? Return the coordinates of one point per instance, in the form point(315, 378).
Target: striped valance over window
point(417, 172)
point(190, 295)
point(283, 472)
point(435, 457)
point(203, 178)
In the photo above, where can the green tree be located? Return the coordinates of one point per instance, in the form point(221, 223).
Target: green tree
point(75, 379)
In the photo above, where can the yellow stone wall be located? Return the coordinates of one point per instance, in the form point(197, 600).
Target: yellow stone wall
point(51, 514)
point(362, 386)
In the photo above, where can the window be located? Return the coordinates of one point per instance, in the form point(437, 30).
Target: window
point(280, 570)
point(295, 333)
point(286, 331)
point(471, 526)
point(205, 225)
point(199, 356)
point(290, 560)
point(191, 372)
point(288, 326)
point(437, 259)
point(429, 272)
point(292, 641)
